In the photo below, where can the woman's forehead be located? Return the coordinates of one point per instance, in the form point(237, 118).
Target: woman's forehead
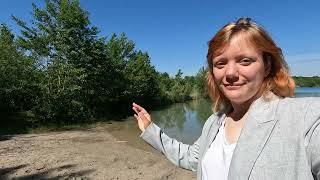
point(238, 45)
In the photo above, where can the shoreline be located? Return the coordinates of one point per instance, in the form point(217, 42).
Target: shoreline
point(103, 152)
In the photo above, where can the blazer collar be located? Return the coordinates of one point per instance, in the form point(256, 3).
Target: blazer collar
point(262, 105)
point(254, 135)
point(263, 109)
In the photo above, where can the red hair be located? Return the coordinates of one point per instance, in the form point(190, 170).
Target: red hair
point(278, 80)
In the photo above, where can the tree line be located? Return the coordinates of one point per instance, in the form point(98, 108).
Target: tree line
point(60, 70)
point(307, 81)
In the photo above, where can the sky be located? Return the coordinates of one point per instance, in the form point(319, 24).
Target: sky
point(175, 32)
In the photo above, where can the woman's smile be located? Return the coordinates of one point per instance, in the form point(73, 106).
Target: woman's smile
point(233, 86)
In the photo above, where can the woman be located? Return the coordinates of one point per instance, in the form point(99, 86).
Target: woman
point(257, 130)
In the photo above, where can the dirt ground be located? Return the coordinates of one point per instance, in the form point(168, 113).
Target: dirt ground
point(105, 152)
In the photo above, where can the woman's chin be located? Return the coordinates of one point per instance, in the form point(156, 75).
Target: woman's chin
point(236, 97)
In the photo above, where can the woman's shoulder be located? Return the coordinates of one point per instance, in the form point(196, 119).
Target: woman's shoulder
point(299, 106)
point(215, 117)
point(299, 102)
point(306, 109)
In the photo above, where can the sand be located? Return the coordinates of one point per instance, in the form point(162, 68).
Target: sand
point(103, 152)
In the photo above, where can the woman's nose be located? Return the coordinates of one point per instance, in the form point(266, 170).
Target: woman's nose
point(232, 73)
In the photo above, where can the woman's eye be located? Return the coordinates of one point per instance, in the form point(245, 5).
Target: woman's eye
point(219, 64)
point(246, 61)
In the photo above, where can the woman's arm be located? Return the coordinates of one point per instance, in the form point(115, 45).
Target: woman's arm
point(182, 155)
point(313, 136)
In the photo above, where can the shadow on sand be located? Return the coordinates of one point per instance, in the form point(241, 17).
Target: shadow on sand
point(9, 173)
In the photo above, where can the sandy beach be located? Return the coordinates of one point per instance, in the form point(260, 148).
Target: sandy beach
point(103, 152)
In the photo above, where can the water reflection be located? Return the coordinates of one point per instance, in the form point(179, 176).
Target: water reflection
point(183, 121)
point(203, 109)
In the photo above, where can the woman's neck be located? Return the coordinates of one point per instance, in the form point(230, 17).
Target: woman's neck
point(240, 109)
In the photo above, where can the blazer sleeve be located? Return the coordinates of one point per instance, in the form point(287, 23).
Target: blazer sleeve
point(313, 136)
point(182, 155)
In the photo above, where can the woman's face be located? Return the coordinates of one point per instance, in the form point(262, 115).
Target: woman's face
point(239, 71)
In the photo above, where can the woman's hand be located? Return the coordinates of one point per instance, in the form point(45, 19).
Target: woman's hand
point(142, 116)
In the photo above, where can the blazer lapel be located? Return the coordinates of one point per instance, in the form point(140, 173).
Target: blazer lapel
point(214, 130)
point(254, 135)
point(212, 133)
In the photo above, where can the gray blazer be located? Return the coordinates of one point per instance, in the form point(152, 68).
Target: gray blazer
point(280, 140)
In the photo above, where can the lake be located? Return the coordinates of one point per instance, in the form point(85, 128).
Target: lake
point(184, 121)
point(307, 92)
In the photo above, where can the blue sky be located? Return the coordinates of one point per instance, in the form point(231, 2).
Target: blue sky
point(175, 33)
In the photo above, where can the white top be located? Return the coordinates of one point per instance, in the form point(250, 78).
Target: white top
point(216, 161)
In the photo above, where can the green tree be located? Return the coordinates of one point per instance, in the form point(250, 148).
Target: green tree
point(201, 82)
point(61, 31)
point(61, 97)
point(107, 80)
point(142, 80)
point(165, 84)
point(67, 51)
point(307, 81)
point(180, 90)
point(18, 76)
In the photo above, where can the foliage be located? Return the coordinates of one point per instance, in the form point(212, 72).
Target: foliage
point(181, 89)
point(64, 46)
point(142, 79)
point(61, 97)
point(201, 82)
point(60, 70)
point(18, 75)
point(307, 81)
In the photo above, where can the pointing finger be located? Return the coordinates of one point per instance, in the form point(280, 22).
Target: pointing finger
point(138, 107)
